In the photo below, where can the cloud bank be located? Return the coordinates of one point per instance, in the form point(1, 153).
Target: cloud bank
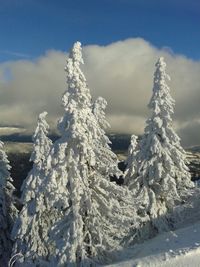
point(122, 72)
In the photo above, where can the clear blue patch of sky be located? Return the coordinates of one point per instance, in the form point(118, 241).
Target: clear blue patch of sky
point(30, 27)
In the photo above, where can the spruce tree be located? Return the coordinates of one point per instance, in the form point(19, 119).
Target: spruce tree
point(41, 149)
point(97, 214)
point(30, 229)
point(8, 211)
point(106, 160)
point(162, 179)
point(131, 162)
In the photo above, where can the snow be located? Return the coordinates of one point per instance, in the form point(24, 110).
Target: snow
point(88, 210)
point(171, 249)
point(106, 160)
point(180, 247)
point(131, 161)
point(8, 211)
point(29, 230)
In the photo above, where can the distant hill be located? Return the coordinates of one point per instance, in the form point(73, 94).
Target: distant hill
point(194, 149)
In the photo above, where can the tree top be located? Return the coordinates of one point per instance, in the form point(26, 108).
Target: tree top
point(76, 53)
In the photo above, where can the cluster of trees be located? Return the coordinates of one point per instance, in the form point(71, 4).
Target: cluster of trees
point(72, 214)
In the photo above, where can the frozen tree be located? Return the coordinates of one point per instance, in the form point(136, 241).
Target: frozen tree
point(106, 160)
point(30, 229)
point(41, 148)
point(131, 167)
point(8, 211)
point(94, 213)
point(162, 178)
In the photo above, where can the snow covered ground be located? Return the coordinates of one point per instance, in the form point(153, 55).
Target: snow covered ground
point(180, 248)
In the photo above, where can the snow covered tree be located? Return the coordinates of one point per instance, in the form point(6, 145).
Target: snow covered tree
point(8, 211)
point(130, 172)
point(162, 178)
point(30, 229)
point(41, 148)
point(106, 160)
point(96, 213)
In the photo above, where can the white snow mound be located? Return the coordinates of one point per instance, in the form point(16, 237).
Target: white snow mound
point(180, 248)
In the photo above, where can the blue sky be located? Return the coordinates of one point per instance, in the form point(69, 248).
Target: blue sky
point(30, 27)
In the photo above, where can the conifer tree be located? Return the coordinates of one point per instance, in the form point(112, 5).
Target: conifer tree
point(91, 221)
point(131, 167)
point(30, 229)
point(162, 178)
point(41, 148)
point(106, 160)
point(8, 211)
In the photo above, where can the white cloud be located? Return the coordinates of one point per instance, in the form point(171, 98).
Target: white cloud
point(122, 72)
